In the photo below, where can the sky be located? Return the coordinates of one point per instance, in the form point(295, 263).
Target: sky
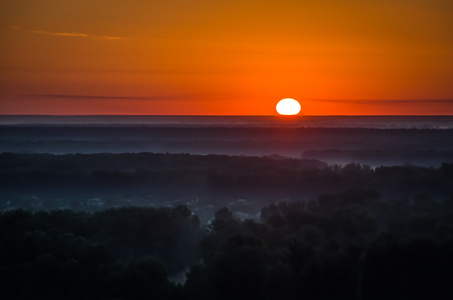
point(204, 57)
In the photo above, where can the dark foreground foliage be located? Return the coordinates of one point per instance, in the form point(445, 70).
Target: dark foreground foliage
point(125, 252)
point(331, 232)
point(349, 245)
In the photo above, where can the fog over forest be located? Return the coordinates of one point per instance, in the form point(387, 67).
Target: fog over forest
point(370, 146)
point(225, 213)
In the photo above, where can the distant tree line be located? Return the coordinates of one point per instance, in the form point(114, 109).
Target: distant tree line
point(365, 145)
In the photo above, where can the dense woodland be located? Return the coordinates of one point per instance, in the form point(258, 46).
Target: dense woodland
point(46, 181)
point(321, 232)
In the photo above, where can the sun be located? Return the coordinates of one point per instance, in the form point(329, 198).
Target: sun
point(288, 106)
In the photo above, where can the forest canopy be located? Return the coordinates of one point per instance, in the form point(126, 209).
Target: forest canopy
point(180, 226)
point(46, 181)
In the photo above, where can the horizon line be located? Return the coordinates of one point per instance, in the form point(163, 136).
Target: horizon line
point(206, 115)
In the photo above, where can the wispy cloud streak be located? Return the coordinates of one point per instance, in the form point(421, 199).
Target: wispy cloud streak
point(390, 101)
point(60, 33)
point(75, 34)
point(102, 37)
point(95, 97)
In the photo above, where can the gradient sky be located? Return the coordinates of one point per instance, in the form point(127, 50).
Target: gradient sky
point(233, 57)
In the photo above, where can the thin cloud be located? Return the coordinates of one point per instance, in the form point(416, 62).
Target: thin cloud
point(425, 101)
point(76, 34)
point(109, 37)
point(95, 97)
point(390, 101)
point(60, 33)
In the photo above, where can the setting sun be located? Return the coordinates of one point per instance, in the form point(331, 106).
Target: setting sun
point(225, 58)
point(288, 106)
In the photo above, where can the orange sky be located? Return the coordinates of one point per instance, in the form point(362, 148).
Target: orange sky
point(207, 57)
